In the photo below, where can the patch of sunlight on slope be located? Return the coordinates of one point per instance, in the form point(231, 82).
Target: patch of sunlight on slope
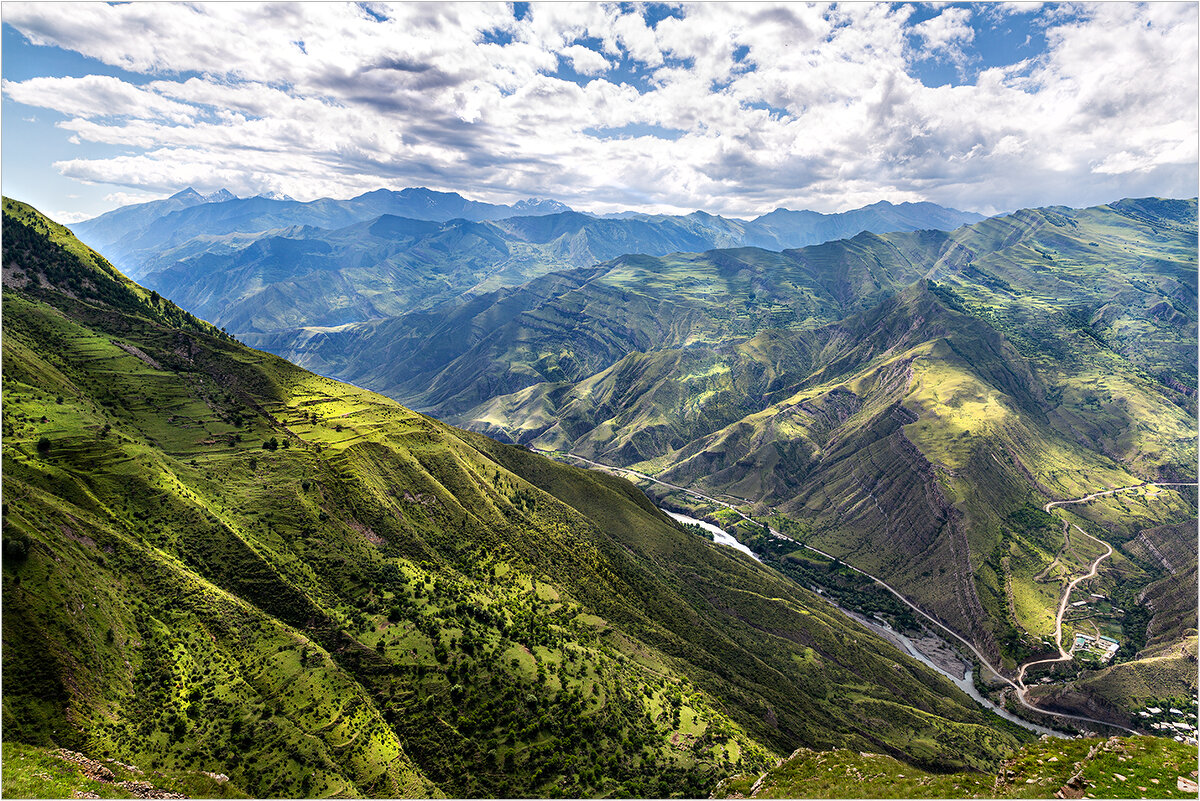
point(716, 368)
point(954, 407)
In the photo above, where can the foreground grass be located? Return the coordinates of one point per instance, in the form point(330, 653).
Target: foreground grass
point(1135, 767)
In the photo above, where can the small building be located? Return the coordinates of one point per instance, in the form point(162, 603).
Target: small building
point(1175, 711)
point(1153, 710)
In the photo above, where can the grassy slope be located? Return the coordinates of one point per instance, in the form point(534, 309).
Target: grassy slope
point(1135, 767)
point(34, 772)
point(1017, 379)
point(380, 604)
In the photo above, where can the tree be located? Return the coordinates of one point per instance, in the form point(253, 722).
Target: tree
point(271, 444)
point(43, 446)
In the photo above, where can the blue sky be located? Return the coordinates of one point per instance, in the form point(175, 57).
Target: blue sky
point(731, 108)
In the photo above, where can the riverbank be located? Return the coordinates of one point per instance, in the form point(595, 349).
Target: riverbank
point(926, 647)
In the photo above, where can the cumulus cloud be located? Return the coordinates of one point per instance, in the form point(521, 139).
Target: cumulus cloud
point(130, 198)
point(770, 105)
point(945, 35)
point(586, 61)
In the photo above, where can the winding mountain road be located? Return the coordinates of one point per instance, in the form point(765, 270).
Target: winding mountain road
point(1019, 685)
point(1064, 655)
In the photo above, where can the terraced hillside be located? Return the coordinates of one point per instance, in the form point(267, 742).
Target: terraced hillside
point(217, 561)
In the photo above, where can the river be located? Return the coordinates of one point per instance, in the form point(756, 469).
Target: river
point(964, 682)
point(720, 535)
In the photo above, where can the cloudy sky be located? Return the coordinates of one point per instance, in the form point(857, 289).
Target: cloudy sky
point(731, 108)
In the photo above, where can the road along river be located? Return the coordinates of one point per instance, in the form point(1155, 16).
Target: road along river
point(964, 681)
point(1018, 687)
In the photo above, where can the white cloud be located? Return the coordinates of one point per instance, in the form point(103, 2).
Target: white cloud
point(68, 217)
point(129, 198)
point(97, 96)
point(794, 105)
point(945, 35)
point(586, 61)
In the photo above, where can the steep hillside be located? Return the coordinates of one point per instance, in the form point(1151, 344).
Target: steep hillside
point(904, 396)
point(217, 561)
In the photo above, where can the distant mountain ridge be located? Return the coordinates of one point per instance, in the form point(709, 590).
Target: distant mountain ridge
point(132, 230)
point(257, 265)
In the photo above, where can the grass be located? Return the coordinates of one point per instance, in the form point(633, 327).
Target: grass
point(34, 772)
point(1143, 767)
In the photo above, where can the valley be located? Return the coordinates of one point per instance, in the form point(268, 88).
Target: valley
point(600, 400)
point(216, 561)
point(1016, 683)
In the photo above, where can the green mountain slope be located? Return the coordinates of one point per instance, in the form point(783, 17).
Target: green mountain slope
point(906, 398)
point(568, 326)
point(217, 561)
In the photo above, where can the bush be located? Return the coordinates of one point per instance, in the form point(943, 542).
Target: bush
point(16, 546)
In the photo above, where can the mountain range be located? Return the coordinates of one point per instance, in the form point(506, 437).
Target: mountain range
point(131, 233)
point(217, 561)
point(259, 265)
point(904, 395)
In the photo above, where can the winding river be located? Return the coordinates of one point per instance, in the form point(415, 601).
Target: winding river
point(963, 682)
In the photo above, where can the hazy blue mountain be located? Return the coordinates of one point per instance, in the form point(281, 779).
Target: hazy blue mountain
point(261, 264)
point(136, 234)
point(104, 231)
point(784, 228)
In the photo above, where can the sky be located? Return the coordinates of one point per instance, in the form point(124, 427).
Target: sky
point(731, 108)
